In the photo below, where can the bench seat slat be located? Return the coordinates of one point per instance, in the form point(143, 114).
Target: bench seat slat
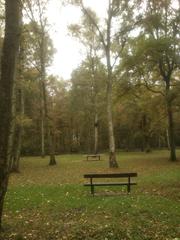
point(109, 184)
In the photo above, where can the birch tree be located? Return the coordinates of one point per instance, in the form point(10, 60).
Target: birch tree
point(36, 11)
point(112, 36)
point(86, 33)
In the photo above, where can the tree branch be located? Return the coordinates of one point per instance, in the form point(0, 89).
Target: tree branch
point(85, 11)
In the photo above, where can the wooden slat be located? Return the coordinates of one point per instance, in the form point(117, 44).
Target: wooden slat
point(109, 175)
point(109, 184)
point(93, 156)
point(97, 155)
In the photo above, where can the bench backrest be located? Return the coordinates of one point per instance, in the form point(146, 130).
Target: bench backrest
point(93, 155)
point(109, 175)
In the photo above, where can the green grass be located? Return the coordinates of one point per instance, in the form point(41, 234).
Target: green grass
point(51, 203)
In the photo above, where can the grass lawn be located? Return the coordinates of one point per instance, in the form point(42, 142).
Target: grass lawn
point(49, 203)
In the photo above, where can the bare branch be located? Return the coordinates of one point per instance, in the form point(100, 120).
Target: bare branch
point(151, 89)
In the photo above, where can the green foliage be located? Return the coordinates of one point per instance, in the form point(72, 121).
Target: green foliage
point(139, 41)
point(32, 41)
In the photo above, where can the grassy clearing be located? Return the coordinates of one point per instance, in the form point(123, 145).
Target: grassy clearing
point(50, 202)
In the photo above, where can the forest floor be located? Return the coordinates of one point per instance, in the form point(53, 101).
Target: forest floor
point(49, 203)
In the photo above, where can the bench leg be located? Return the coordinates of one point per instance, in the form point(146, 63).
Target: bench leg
point(128, 188)
point(92, 187)
point(129, 185)
point(92, 190)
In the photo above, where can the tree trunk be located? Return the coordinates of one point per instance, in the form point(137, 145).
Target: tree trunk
point(170, 122)
point(18, 107)
point(171, 132)
point(42, 132)
point(8, 69)
point(106, 42)
point(167, 139)
point(45, 116)
point(112, 149)
point(12, 130)
point(96, 133)
point(18, 134)
point(43, 94)
point(52, 149)
point(51, 143)
point(94, 98)
point(17, 151)
point(112, 153)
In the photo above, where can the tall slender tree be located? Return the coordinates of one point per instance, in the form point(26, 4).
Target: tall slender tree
point(8, 71)
point(112, 38)
point(18, 108)
point(86, 33)
point(155, 54)
point(106, 43)
point(36, 11)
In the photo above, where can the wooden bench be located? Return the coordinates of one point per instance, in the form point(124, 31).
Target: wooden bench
point(94, 156)
point(126, 176)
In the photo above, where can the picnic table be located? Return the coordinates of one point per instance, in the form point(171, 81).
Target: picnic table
point(93, 157)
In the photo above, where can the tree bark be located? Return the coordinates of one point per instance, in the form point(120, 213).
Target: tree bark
point(8, 69)
point(13, 129)
point(112, 149)
point(43, 94)
point(52, 148)
point(45, 116)
point(96, 133)
point(166, 67)
point(106, 42)
point(18, 107)
point(42, 131)
point(171, 131)
point(18, 134)
point(167, 139)
point(170, 121)
point(95, 102)
point(112, 153)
